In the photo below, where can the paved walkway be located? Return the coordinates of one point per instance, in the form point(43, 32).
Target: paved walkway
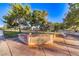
point(62, 47)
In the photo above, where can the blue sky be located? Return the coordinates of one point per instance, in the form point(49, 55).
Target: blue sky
point(56, 11)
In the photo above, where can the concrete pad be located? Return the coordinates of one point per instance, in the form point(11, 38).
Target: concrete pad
point(56, 50)
point(4, 50)
point(74, 50)
point(19, 49)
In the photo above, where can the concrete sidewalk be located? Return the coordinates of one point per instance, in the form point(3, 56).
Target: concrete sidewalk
point(62, 47)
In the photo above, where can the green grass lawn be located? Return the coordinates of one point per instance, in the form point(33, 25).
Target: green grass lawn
point(10, 33)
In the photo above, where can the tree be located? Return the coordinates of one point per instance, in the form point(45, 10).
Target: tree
point(23, 15)
point(57, 26)
point(9, 19)
point(72, 18)
point(39, 19)
point(17, 15)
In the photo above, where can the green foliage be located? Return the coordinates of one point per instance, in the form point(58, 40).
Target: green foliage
point(24, 15)
point(72, 18)
point(1, 28)
point(10, 34)
point(58, 26)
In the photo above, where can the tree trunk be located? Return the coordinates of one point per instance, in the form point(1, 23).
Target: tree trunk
point(19, 29)
point(19, 25)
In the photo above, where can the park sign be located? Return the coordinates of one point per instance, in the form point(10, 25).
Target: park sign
point(44, 39)
point(37, 39)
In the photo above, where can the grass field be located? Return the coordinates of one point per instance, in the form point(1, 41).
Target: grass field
point(11, 33)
